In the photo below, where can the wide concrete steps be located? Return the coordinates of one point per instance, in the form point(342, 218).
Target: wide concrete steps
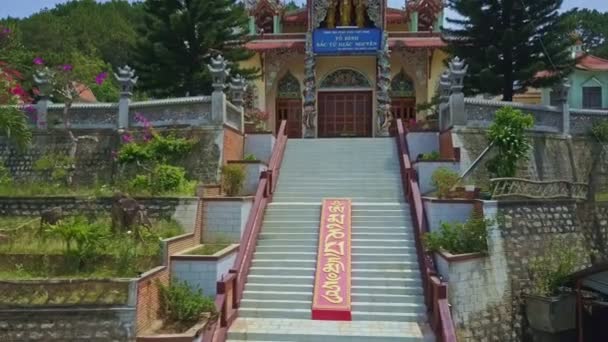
point(386, 289)
point(305, 330)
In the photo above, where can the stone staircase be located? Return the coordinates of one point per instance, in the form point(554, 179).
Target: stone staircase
point(387, 299)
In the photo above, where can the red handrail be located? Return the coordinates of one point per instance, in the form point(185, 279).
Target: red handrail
point(435, 290)
point(230, 287)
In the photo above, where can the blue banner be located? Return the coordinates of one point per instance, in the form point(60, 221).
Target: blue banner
point(346, 41)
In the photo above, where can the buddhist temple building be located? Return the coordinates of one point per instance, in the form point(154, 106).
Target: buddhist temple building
point(338, 68)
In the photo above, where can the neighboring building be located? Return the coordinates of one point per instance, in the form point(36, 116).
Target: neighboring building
point(589, 84)
point(335, 67)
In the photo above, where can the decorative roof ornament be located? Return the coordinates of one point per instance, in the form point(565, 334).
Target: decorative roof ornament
point(458, 70)
point(219, 71)
point(238, 85)
point(44, 80)
point(127, 79)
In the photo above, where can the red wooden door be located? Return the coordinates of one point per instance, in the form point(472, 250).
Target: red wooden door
point(344, 114)
point(290, 110)
point(403, 108)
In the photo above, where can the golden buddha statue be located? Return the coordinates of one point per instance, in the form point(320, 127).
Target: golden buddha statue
point(346, 12)
point(360, 8)
point(331, 14)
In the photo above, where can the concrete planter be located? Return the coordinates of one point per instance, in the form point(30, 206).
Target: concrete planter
point(253, 169)
point(551, 314)
point(425, 171)
point(203, 271)
point(422, 142)
point(194, 334)
point(224, 218)
point(260, 145)
point(438, 211)
point(458, 267)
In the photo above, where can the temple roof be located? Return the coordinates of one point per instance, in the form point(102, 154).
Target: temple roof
point(592, 63)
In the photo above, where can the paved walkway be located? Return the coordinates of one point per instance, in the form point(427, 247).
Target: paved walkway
point(255, 329)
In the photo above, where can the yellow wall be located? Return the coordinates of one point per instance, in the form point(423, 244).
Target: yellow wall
point(255, 62)
point(397, 27)
point(294, 64)
point(437, 68)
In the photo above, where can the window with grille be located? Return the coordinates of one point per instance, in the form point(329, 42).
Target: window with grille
point(592, 97)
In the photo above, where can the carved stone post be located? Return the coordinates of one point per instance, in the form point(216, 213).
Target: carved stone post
point(384, 117)
point(309, 117)
point(457, 111)
point(238, 85)
point(219, 71)
point(42, 78)
point(127, 80)
point(444, 98)
point(561, 91)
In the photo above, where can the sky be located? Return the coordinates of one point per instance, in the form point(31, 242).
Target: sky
point(23, 8)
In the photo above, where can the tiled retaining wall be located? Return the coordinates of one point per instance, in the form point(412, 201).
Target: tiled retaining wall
point(182, 209)
point(94, 160)
point(260, 145)
point(225, 217)
point(203, 272)
point(103, 324)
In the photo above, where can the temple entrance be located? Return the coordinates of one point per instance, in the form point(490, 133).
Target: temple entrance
point(345, 114)
point(345, 104)
point(403, 104)
point(289, 105)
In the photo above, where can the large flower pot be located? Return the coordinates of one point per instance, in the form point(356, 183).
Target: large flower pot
point(551, 314)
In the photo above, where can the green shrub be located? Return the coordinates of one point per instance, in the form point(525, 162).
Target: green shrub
point(431, 156)
point(250, 156)
point(459, 238)
point(551, 270)
point(444, 179)
point(179, 303)
point(507, 133)
point(159, 149)
point(600, 131)
point(166, 178)
point(233, 176)
point(58, 165)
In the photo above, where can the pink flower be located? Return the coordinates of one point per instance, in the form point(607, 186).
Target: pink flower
point(18, 91)
point(67, 67)
point(38, 61)
point(127, 138)
point(99, 79)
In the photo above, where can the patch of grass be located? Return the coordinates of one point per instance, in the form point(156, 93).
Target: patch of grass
point(603, 197)
point(208, 249)
point(47, 189)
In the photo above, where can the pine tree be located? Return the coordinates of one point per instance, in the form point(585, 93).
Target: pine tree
point(179, 38)
point(506, 43)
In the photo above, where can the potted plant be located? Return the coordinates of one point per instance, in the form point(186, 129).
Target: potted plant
point(549, 306)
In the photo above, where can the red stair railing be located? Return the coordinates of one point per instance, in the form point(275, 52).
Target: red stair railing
point(230, 287)
point(435, 290)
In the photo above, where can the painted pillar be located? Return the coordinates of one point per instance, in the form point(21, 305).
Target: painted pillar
point(276, 27)
point(219, 71)
point(252, 25)
point(414, 21)
point(439, 22)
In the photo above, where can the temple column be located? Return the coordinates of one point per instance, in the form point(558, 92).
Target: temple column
point(309, 117)
point(383, 84)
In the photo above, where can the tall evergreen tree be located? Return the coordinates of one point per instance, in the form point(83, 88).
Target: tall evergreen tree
point(506, 43)
point(591, 27)
point(180, 37)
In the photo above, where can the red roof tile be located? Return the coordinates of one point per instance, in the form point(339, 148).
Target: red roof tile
point(592, 63)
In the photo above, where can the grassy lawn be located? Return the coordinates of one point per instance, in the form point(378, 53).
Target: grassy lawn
point(78, 248)
point(602, 197)
point(46, 189)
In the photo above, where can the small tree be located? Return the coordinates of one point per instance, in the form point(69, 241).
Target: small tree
point(507, 134)
point(67, 85)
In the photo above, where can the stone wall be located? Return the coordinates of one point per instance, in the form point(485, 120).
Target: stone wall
point(94, 159)
point(183, 209)
point(552, 157)
point(522, 231)
point(103, 324)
